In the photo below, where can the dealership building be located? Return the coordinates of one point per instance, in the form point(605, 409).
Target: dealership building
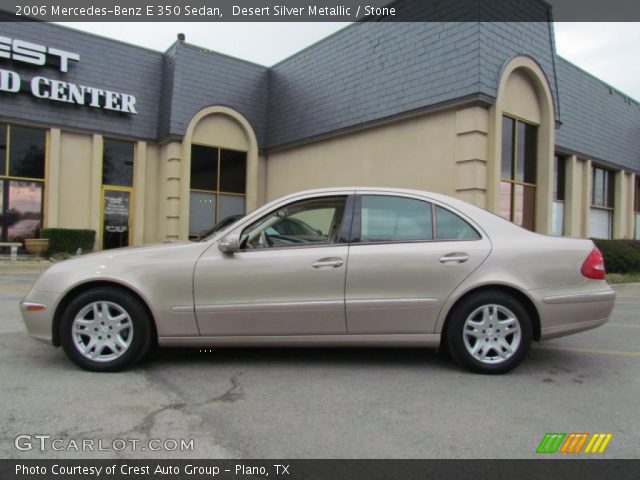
point(143, 146)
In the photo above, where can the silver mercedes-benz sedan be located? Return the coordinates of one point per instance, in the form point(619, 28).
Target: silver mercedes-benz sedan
point(330, 267)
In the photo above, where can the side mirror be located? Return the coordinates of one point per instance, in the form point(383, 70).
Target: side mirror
point(229, 245)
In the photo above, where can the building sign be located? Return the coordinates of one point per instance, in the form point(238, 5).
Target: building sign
point(56, 90)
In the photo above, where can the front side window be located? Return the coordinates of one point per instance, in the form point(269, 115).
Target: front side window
point(518, 172)
point(305, 223)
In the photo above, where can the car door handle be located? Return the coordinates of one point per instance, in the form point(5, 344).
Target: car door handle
point(328, 262)
point(457, 257)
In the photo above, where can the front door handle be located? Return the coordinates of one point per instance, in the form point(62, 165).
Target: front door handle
point(457, 257)
point(328, 262)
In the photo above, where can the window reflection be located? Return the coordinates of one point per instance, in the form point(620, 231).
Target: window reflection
point(23, 215)
point(218, 186)
point(518, 173)
point(26, 155)
point(117, 163)
point(22, 156)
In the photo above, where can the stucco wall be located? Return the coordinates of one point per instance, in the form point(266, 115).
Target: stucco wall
point(414, 153)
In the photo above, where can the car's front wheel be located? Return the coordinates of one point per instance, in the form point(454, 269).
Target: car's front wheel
point(489, 332)
point(105, 329)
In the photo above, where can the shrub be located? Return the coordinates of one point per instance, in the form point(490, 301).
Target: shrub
point(68, 240)
point(620, 256)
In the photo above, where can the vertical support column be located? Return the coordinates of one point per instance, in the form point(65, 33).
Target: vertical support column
point(252, 180)
point(586, 197)
point(494, 157)
point(471, 153)
point(172, 193)
point(139, 191)
point(619, 206)
point(544, 193)
point(262, 181)
point(631, 207)
point(52, 180)
point(95, 199)
point(572, 199)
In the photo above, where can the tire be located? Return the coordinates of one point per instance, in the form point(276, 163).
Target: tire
point(482, 344)
point(122, 335)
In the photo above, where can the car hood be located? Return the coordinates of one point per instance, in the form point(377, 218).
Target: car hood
point(118, 264)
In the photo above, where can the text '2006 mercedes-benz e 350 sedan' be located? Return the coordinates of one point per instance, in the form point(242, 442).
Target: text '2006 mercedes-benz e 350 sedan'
point(330, 267)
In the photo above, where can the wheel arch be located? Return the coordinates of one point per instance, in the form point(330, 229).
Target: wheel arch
point(520, 296)
point(83, 287)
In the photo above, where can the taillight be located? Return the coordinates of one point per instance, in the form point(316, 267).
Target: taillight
point(593, 266)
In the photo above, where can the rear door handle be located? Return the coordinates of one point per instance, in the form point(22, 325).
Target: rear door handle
point(457, 257)
point(328, 263)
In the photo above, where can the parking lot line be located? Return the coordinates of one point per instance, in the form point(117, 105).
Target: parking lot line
point(623, 353)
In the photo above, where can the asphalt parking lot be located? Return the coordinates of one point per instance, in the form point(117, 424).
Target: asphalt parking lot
point(320, 403)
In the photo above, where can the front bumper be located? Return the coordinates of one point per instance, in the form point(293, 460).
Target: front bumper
point(39, 321)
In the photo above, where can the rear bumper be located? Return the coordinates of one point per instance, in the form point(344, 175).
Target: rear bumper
point(572, 313)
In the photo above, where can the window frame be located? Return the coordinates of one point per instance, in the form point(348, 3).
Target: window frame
point(7, 170)
point(608, 185)
point(356, 228)
point(133, 161)
point(6, 179)
point(513, 181)
point(217, 192)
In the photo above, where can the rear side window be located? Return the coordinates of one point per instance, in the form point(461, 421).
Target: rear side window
point(450, 226)
point(394, 219)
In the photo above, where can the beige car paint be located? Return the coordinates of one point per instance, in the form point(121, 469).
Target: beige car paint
point(281, 295)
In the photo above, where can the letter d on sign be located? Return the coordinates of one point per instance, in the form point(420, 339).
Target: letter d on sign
point(9, 81)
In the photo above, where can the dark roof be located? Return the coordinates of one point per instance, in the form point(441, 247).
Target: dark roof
point(363, 74)
point(104, 63)
point(372, 71)
point(598, 121)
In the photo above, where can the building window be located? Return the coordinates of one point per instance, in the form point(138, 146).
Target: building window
point(22, 167)
point(518, 172)
point(117, 163)
point(559, 179)
point(602, 198)
point(117, 192)
point(218, 186)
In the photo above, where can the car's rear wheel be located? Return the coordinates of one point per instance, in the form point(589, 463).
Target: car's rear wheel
point(105, 329)
point(489, 332)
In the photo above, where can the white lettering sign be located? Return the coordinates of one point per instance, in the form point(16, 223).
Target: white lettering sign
point(57, 90)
